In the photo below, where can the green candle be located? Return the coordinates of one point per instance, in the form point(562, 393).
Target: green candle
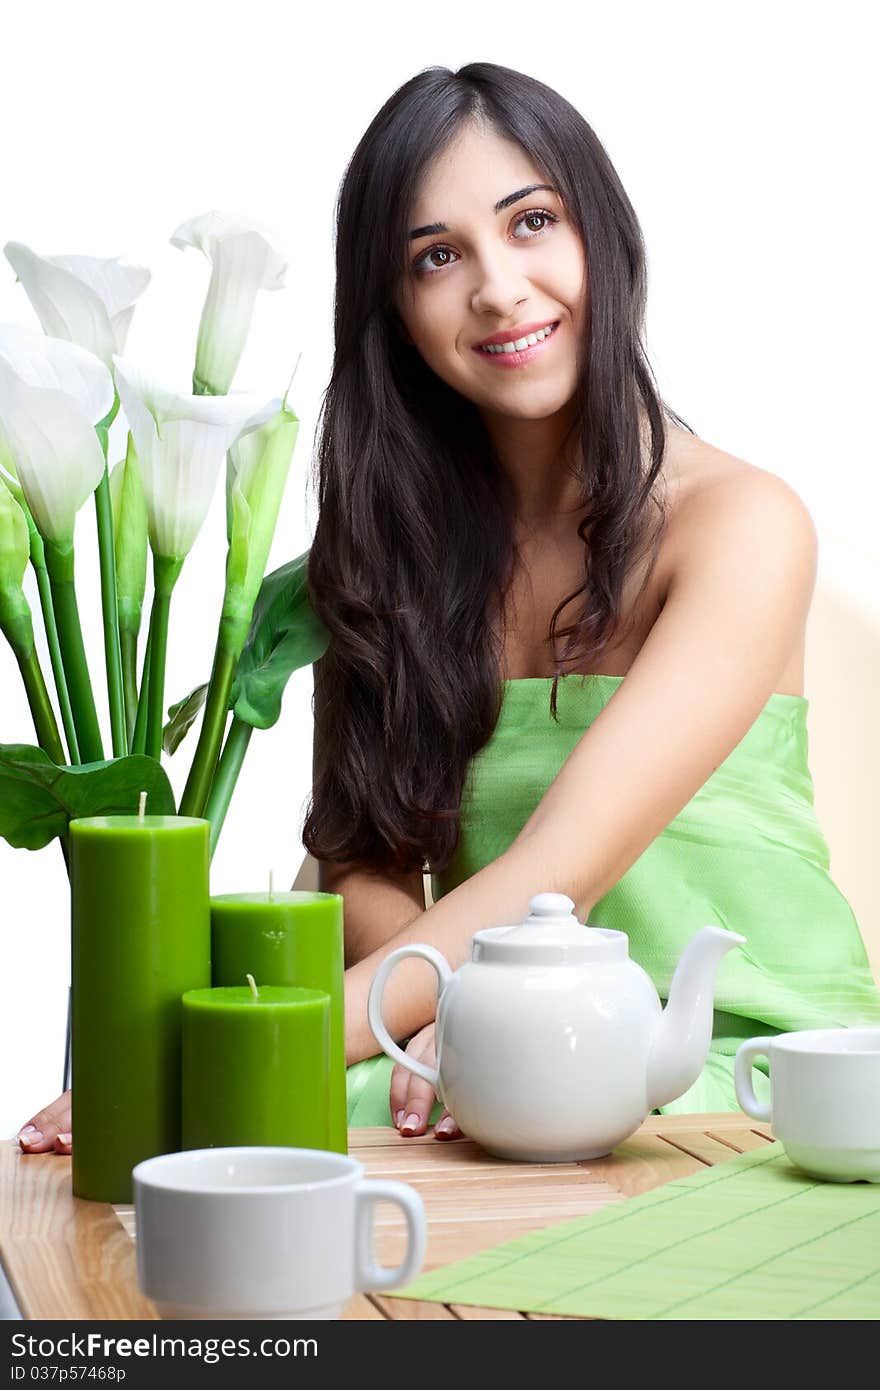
point(290, 938)
point(140, 936)
point(256, 1063)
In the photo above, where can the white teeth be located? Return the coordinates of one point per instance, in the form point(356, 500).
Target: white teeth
point(520, 343)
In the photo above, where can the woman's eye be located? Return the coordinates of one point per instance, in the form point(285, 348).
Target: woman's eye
point(420, 264)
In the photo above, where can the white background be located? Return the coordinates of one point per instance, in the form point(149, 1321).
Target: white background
point(745, 135)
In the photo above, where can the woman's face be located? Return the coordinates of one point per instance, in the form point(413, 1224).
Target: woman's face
point(520, 267)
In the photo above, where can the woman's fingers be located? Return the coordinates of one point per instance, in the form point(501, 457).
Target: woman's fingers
point(412, 1116)
point(410, 1097)
point(48, 1129)
point(446, 1128)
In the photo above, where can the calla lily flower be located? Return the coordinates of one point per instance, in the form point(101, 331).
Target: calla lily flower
point(181, 441)
point(52, 394)
point(130, 542)
point(245, 257)
point(15, 544)
point(257, 467)
point(130, 536)
point(88, 300)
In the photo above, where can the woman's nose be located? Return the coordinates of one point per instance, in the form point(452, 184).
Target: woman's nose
point(499, 286)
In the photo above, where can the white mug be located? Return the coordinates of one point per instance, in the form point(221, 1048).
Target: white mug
point(264, 1232)
point(825, 1098)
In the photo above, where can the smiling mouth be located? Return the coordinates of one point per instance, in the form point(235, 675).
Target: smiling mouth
point(510, 356)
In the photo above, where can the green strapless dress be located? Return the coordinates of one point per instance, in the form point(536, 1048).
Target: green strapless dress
point(746, 853)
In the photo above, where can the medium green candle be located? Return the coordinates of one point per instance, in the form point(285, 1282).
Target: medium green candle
point(140, 937)
point(288, 938)
point(256, 1063)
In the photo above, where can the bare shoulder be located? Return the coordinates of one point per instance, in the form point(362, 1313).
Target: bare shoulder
point(712, 494)
point(721, 508)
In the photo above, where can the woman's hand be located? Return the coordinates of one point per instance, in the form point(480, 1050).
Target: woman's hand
point(412, 1098)
point(49, 1129)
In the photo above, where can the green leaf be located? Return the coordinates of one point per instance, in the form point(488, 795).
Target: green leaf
point(38, 798)
point(284, 635)
point(181, 717)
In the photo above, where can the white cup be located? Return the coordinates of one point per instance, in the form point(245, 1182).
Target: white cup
point(264, 1232)
point(825, 1098)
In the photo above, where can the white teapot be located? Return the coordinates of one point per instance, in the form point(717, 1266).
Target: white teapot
point(552, 1045)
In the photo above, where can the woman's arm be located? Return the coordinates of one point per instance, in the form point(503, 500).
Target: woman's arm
point(736, 607)
point(496, 895)
point(377, 906)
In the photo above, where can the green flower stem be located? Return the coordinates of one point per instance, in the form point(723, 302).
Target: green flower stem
point(42, 713)
point(110, 613)
point(45, 592)
point(129, 639)
point(38, 561)
point(106, 552)
point(201, 774)
point(165, 572)
point(226, 776)
point(139, 737)
point(59, 563)
point(18, 628)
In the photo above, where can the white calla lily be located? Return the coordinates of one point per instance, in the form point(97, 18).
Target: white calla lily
point(87, 300)
point(243, 456)
point(258, 465)
point(40, 360)
point(52, 394)
point(15, 546)
point(181, 441)
point(245, 257)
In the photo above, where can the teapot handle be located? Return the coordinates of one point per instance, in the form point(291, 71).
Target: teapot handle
point(374, 1006)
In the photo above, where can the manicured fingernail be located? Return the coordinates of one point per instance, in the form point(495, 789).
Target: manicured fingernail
point(446, 1126)
point(64, 1138)
point(410, 1124)
point(398, 1117)
point(35, 1138)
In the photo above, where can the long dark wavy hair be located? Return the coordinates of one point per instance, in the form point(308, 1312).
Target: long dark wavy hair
point(414, 545)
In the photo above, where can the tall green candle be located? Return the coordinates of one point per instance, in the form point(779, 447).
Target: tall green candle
point(256, 1063)
point(140, 937)
point(288, 938)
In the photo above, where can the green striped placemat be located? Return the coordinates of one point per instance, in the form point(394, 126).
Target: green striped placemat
point(748, 1238)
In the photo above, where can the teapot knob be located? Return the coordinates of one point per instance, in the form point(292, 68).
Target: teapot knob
point(551, 905)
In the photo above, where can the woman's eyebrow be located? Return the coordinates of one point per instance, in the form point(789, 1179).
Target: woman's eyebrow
point(434, 227)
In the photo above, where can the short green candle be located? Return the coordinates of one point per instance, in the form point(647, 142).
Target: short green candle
point(255, 1067)
point(288, 938)
point(140, 936)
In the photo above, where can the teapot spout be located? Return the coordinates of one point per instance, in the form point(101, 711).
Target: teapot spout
point(681, 1041)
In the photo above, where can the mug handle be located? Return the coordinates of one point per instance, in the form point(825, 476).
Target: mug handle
point(374, 1007)
point(742, 1076)
point(368, 1274)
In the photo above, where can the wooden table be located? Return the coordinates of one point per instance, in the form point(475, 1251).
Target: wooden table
point(68, 1258)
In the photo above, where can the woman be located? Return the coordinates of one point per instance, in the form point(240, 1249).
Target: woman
point(648, 757)
point(467, 502)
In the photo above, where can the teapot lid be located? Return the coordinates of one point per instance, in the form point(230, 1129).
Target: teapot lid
point(550, 935)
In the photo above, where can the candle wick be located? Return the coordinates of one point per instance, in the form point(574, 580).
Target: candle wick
point(142, 805)
point(254, 991)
